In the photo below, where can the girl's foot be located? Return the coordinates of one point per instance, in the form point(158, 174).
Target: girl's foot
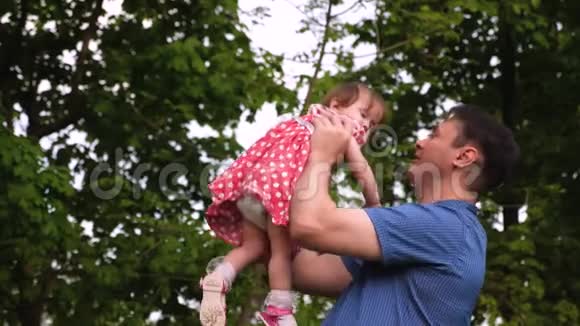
point(274, 316)
point(212, 311)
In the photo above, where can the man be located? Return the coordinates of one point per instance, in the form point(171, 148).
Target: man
point(414, 264)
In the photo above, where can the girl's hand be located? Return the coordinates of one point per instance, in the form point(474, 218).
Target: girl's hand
point(362, 171)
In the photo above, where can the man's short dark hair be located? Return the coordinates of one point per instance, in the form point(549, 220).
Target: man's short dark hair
point(495, 141)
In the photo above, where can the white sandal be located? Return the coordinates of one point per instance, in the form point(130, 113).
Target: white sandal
point(212, 311)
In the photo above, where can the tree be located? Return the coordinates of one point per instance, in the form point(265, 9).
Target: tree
point(129, 85)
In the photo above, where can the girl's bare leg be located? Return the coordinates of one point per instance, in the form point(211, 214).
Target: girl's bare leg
point(222, 273)
point(254, 245)
point(280, 265)
point(279, 303)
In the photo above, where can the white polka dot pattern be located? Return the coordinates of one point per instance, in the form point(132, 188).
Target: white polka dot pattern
point(268, 170)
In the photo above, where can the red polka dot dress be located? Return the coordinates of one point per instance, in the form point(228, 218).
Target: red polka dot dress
point(268, 170)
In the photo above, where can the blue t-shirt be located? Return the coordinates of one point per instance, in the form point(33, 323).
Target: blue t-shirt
point(431, 273)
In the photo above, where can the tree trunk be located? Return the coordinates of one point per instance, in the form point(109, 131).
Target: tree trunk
point(318, 64)
point(509, 103)
point(30, 314)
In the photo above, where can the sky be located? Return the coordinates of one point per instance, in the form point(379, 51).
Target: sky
point(278, 35)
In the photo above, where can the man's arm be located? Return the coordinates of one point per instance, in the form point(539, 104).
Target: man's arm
point(315, 221)
point(319, 274)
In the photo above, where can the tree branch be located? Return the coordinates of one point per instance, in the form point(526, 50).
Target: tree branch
point(320, 56)
point(383, 51)
point(308, 18)
point(357, 3)
point(13, 40)
point(76, 102)
point(24, 57)
point(378, 19)
point(11, 46)
point(6, 113)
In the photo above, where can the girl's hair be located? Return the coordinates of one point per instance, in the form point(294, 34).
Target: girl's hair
point(344, 94)
point(347, 93)
point(380, 101)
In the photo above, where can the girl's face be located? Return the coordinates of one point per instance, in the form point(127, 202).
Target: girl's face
point(364, 110)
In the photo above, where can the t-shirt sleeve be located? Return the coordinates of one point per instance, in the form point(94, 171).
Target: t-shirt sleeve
point(414, 234)
point(352, 264)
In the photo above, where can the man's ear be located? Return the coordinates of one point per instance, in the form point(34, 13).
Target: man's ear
point(465, 156)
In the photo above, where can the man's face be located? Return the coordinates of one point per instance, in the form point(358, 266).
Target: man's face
point(435, 155)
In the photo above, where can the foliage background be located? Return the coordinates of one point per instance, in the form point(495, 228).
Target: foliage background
point(139, 82)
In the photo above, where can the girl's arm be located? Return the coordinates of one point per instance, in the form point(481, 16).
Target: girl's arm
point(362, 171)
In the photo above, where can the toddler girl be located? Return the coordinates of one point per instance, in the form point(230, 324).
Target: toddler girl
point(251, 201)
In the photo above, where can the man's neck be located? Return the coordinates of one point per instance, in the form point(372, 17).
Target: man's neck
point(430, 193)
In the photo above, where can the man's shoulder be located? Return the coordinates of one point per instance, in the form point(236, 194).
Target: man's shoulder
point(450, 212)
point(450, 219)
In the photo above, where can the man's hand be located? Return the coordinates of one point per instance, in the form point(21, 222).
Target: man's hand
point(331, 137)
point(315, 221)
